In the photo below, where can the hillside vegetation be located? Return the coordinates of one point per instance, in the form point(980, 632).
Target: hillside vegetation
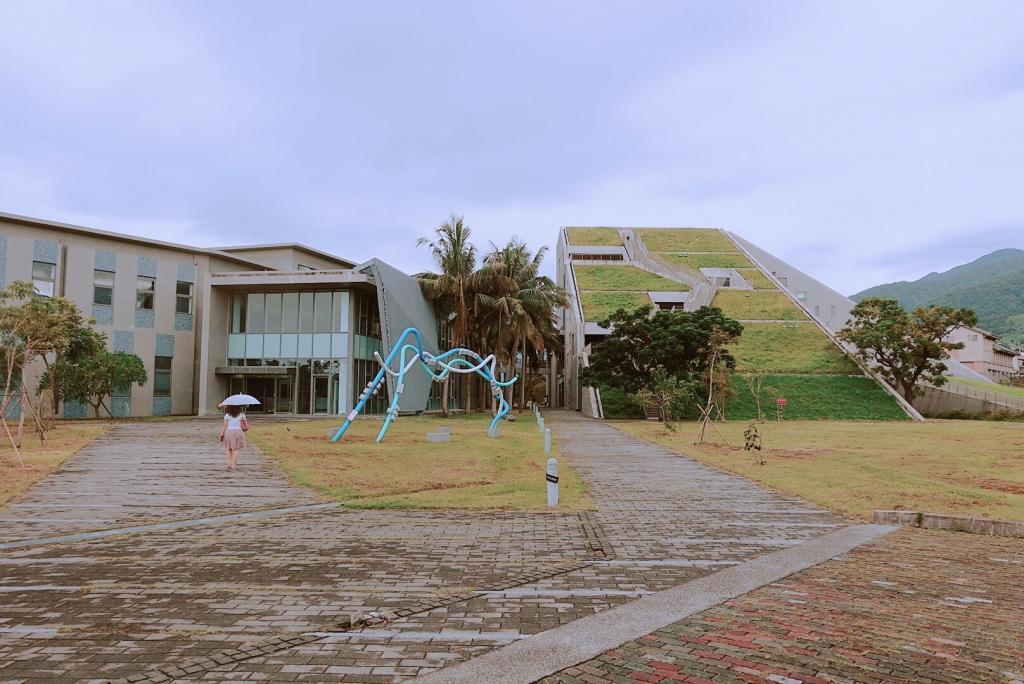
point(992, 286)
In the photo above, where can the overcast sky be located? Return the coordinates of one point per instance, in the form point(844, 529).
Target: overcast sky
point(863, 142)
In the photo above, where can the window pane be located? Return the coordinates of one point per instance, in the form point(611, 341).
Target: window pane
point(183, 305)
point(103, 287)
point(290, 312)
point(144, 288)
point(254, 319)
point(306, 312)
point(162, 363)
point(273, 312)
point(162, 384)
point(43, 276)
point(238, 313)
point(103, 279)
point(184, 288)
point(322, 308)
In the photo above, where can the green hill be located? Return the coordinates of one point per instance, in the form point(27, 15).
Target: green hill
point(993, 286)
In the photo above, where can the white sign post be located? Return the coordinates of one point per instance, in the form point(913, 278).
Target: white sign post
point(552, 478)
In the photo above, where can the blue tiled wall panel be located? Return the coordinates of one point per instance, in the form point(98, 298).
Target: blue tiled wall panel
point(13, 411)
point(124, 341)
point(183, 322)
point(164, 345)
point(3, 260)
point(161, 406)
point(145, 318)
point(106, 260)
point(147, 266)
point(187, 273)
point(74, 409)
point(45, 250)
point(103, 313)
point(121, 407)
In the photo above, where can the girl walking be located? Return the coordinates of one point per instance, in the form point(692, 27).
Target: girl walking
point(232, 433)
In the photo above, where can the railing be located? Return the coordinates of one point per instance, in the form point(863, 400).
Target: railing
point(999, 398)
point(636, 250)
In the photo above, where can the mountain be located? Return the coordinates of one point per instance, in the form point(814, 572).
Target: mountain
point(992, 285)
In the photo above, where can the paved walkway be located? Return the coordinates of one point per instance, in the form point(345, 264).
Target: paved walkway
point(918, 606)
point(275, 598)
point(145, 472)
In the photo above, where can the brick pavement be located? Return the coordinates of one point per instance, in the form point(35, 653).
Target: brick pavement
point(274, 598)
point(917, 605)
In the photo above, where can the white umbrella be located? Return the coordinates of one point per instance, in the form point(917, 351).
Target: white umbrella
point(239, 400)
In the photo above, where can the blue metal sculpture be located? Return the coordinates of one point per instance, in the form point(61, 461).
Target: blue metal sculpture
point(438, 367)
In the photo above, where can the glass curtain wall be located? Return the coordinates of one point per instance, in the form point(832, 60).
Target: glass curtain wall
point(303, 334)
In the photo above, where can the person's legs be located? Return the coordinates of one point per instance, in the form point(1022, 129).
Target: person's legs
point(232, 458)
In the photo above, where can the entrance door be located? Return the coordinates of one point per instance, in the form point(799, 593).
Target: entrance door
point(322, 394)
point(285, 395)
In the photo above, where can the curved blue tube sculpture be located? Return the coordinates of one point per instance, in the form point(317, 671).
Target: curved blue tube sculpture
point(438, 367)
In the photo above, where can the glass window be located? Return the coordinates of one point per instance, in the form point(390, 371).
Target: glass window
point(802, 296)
point(290, 312)
point(145, 288)
point(238, 313)
point(322, 312)
point(254, 317)
point(44, 275)
point(306, 312)
point(303, 267)
point(273, 312)
point(162, 376)
point(183, 292)
point(103, 287)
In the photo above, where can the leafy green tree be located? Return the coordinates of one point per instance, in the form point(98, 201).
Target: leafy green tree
point(93, 378)
point(669, 394)
point(84, 341)
point(905, 348)
point(676, 341)
point(452, 287)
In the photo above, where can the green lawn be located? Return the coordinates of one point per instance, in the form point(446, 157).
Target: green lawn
point(624, 278)
point(707, 260)
point(790, 348)
point(685, 240)
point(942, 466)
point(404, 471)
point(1008, 390)
point(816, 397)
point(752, 305)
point(596, 237)
point(755, 277)
point(598, 306)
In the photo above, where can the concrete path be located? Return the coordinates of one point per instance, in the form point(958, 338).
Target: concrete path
point(345, 595)
point(145, 472)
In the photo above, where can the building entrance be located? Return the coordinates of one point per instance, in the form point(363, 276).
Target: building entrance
point(308, 388)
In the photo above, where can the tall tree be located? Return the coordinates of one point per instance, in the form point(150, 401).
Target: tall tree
point(905, 348)
point(451, 286)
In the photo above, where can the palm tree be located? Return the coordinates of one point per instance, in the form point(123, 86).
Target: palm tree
point(519, 304)
point(451, 288)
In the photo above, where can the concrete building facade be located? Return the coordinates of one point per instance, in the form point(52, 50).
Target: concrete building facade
point(985, 353)
point(294, 326)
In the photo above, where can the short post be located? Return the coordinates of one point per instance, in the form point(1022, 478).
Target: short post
point(547, 441)
point(552, 478)
point(540, 423)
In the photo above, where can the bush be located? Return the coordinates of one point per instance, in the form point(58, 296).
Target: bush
point(617, 404)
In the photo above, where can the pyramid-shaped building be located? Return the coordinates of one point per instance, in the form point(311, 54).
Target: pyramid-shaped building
point(789, 319)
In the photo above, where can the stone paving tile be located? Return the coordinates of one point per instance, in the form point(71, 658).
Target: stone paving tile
point(271, 598)
point(916, 606)
point(144, 472)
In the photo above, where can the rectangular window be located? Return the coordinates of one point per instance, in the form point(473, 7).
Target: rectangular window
point(162, 376)
point(103, 287)
point(273, 312)
point(322, 312)
point(290, 312)
point(306, 312)
point(238, 313)
point(145, 289)
point(254, 321)
point(802, 296)
point(183, 304)
point(44, 275)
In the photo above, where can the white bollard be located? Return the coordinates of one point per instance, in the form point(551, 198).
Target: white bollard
point(547, 441)
point(552, 478)
point(540, 424)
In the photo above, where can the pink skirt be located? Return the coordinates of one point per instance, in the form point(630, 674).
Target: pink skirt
point(234, 439)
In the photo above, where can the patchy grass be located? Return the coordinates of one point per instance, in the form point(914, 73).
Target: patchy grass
point(685, 240)
point(757, 279)
point(708, 260)
point(816, 397)
point(995, 388)
point(597, 237)
point(624, 278)
point(598, 306)
point(942, 466)
point(404, 471)
point(61, 443)
point(753, 305)
point(790, 348)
